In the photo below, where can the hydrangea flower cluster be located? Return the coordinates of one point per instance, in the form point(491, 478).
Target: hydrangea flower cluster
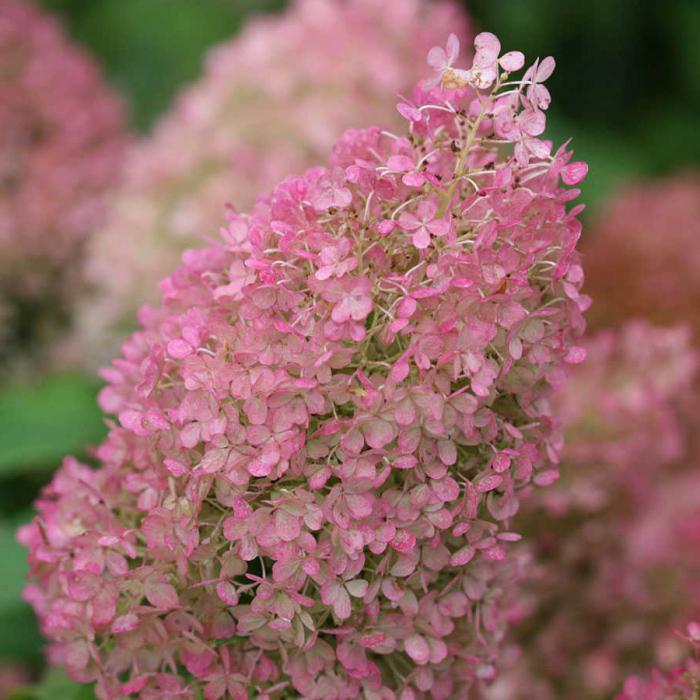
point(324, 431)
point(616, 542)
point(272, 101)
point(642, 254)
point(682, 683)
point(62, 139)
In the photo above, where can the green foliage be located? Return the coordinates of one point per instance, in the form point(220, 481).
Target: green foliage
point(54, 686)
point(20, 637)
point(149, 48)
point(14, 567)
point(41, 423)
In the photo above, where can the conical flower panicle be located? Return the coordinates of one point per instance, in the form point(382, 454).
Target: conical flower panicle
point(323, 432)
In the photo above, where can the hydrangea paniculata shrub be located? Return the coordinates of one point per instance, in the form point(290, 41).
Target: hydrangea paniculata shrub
point(616, 542)
point(272, 101)
point(642, 254)
point(62, 137)
point(682, 683)
point(323, 432)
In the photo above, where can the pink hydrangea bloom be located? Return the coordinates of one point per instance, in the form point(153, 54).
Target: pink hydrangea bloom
point(61, 143)
point(616, 543)
point(308, 487)
point(681, 683)
point(272, 101)
point(643, 256)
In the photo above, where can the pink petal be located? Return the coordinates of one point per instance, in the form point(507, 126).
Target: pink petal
point(437, 58)
point(575, 355)
point(488, 44)
point(546, 477)
point(179, 348)
point(227, 592)
point(439, 227)
point(125, 623)
point(409, 221)
point(545, 69)
point(511, 61)
point(161, 595)
point(341, 602)
point(357, 587)
point(489, 483)
point(417, 648)
point(501, 462)
point(378, 433)
point(409, 112)
point(287, 526)
point(174, 467)
point(462, 556)
point(532, 122)
point(438, 650)
point(359, 505)
point(372, 640)
point(403, 541)
point(413, 179)
point(405, 565)
point(421, 238)
point(447, 451)
point(573, 173)
point(400, 163)
point(399, 371)
point(386, 227)
point(452, 48)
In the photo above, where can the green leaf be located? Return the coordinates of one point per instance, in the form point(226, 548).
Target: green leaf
point(14, 568)
point(20, 638)
point(54, 686)
point(149, 49)
point(41, 423)
point(19, 635)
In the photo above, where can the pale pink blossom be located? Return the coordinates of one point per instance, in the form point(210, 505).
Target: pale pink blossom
point(677, 684)
point(424, 224)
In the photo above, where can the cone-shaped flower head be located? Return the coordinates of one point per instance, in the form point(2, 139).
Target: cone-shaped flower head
point(323, 432)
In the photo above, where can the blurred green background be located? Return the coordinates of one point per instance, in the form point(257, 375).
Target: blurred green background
point(627, 85)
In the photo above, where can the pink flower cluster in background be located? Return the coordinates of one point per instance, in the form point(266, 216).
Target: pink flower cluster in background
point(272, 101)
point(681, 683)
point(323, 433)
point(62, 139)
point(642, 254)
point(615, 544)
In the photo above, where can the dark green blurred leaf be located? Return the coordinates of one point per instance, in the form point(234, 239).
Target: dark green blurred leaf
point(19, 635)
point(14, 568)
point(41, 423)
point(54, 686)
point(149, 48)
